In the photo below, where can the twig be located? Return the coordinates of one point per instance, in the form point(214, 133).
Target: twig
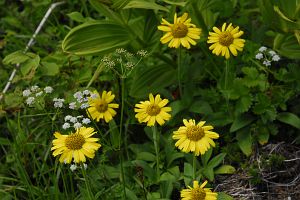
point(29, 44)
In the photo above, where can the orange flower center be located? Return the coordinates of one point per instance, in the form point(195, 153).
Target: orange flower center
point(74, 141)
point(179, 30)
point(194, 133)
point(101, 106)
point(198, 194)
point(225, 38)
point(153, 110)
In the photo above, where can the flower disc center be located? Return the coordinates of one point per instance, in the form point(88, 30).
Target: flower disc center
point(179, 30)
point(226, 38)
point(195, 133)
point(74, 141)
point(102, 106)
point(198, 194)
point(153, 110)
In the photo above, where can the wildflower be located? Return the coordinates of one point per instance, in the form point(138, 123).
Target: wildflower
point(78, 95)
point(68, 117)
point(182, 32)
point(72, 105)
point(75, 146)
point(198, 192)
point(120, 51)
point(66, 125)
point(153, 111)
point(86, 92)
point(30, 100)
point(39, 93)
point(73, 167)
point(267, 63)
point(262, 49)
point(77, 125)
point(26, 93)
point(226, 39)
point(73, 119)
point(85, 166)
point(48, 89)
point(34, 88)
point(142, 53)
point(84, 106)
point(86, 121)
point(276, 58)
point(259, 56)
point(101, 107)
point(272, 53)
point(79, 116)
point(194, 137)
point(58, 103)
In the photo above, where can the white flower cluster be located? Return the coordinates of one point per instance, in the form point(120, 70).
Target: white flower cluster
point(81, 99)
point(58, 103)
point(73, 167)
point(35, 91)
point(267, 56)
point(76, 122)
point(142, 53)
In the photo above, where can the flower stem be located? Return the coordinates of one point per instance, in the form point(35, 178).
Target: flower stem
point(87, 183)
point(156, 147)
point(194, 166)
point(179, 70)
point(121, 133)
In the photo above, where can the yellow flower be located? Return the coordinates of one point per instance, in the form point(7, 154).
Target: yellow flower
point(76, 145)
point(181, 32)
point(198, 193)
point(226, 39)
point(194, 137)
point(153, 111)
point(100, 106)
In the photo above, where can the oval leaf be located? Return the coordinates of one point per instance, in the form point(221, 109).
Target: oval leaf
point(289, 118)
point(96, 37)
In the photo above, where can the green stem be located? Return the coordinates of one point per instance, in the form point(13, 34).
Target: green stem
point(87, 183)
point(120, 132)
point(156, 147)
point(226, 84)
point(194, 166)
point(179, 71)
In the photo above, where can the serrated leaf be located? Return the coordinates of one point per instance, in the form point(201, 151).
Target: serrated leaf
point(145, 5)
point(289, 118)
point(240, 122)
point(97, 37)
point(225, 169)
point(243, 104)
point(244, 139)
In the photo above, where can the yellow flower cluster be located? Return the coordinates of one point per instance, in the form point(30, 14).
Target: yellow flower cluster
point(183, 32)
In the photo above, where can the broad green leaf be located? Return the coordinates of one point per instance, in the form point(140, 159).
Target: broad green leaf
point(167, 176)
point(145, 156)
point(201, 107)
point(174, 156)
point(152, 79)
point(289, 118)
point(225, 169)
point(209, 173)
point(224, 196)
point(240, 122)
point(263, 135)
point(145, 5)
point(130, 194)
point(188, 173)
point(243, 104)
point(49, 69)
point(15, 57)
point(175, 3)
point(244, 139)
point(205, 158)
point(287, 45)
point(215, 161)
point(31, 64)
point(76, 16)
point(96, 37)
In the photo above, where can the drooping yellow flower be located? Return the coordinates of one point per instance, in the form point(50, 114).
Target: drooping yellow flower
point(76, 145)
point(226, 39)
point(153, 111)
point(100, 106)
point(181, 32)
point(198, 192)
point(194, 137)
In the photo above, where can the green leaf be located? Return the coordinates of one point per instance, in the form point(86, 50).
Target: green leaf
point(287, 45)
point(31, 64)
point(130, 194)
point(244, 139)
point(263, 135)
point(152, 79)
point(243, 104)
point(98, 37)
point(76, 16)
point(146, 156)
point(289, 118)
point(240, 122)
point(188, 173)
point(225, 169)
point(201, 107)
point(15, 58)
point(205, 158)
point(224, 196)
point(209, 173)
point(216, 160)
point(49, 69)
point(145, 5)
